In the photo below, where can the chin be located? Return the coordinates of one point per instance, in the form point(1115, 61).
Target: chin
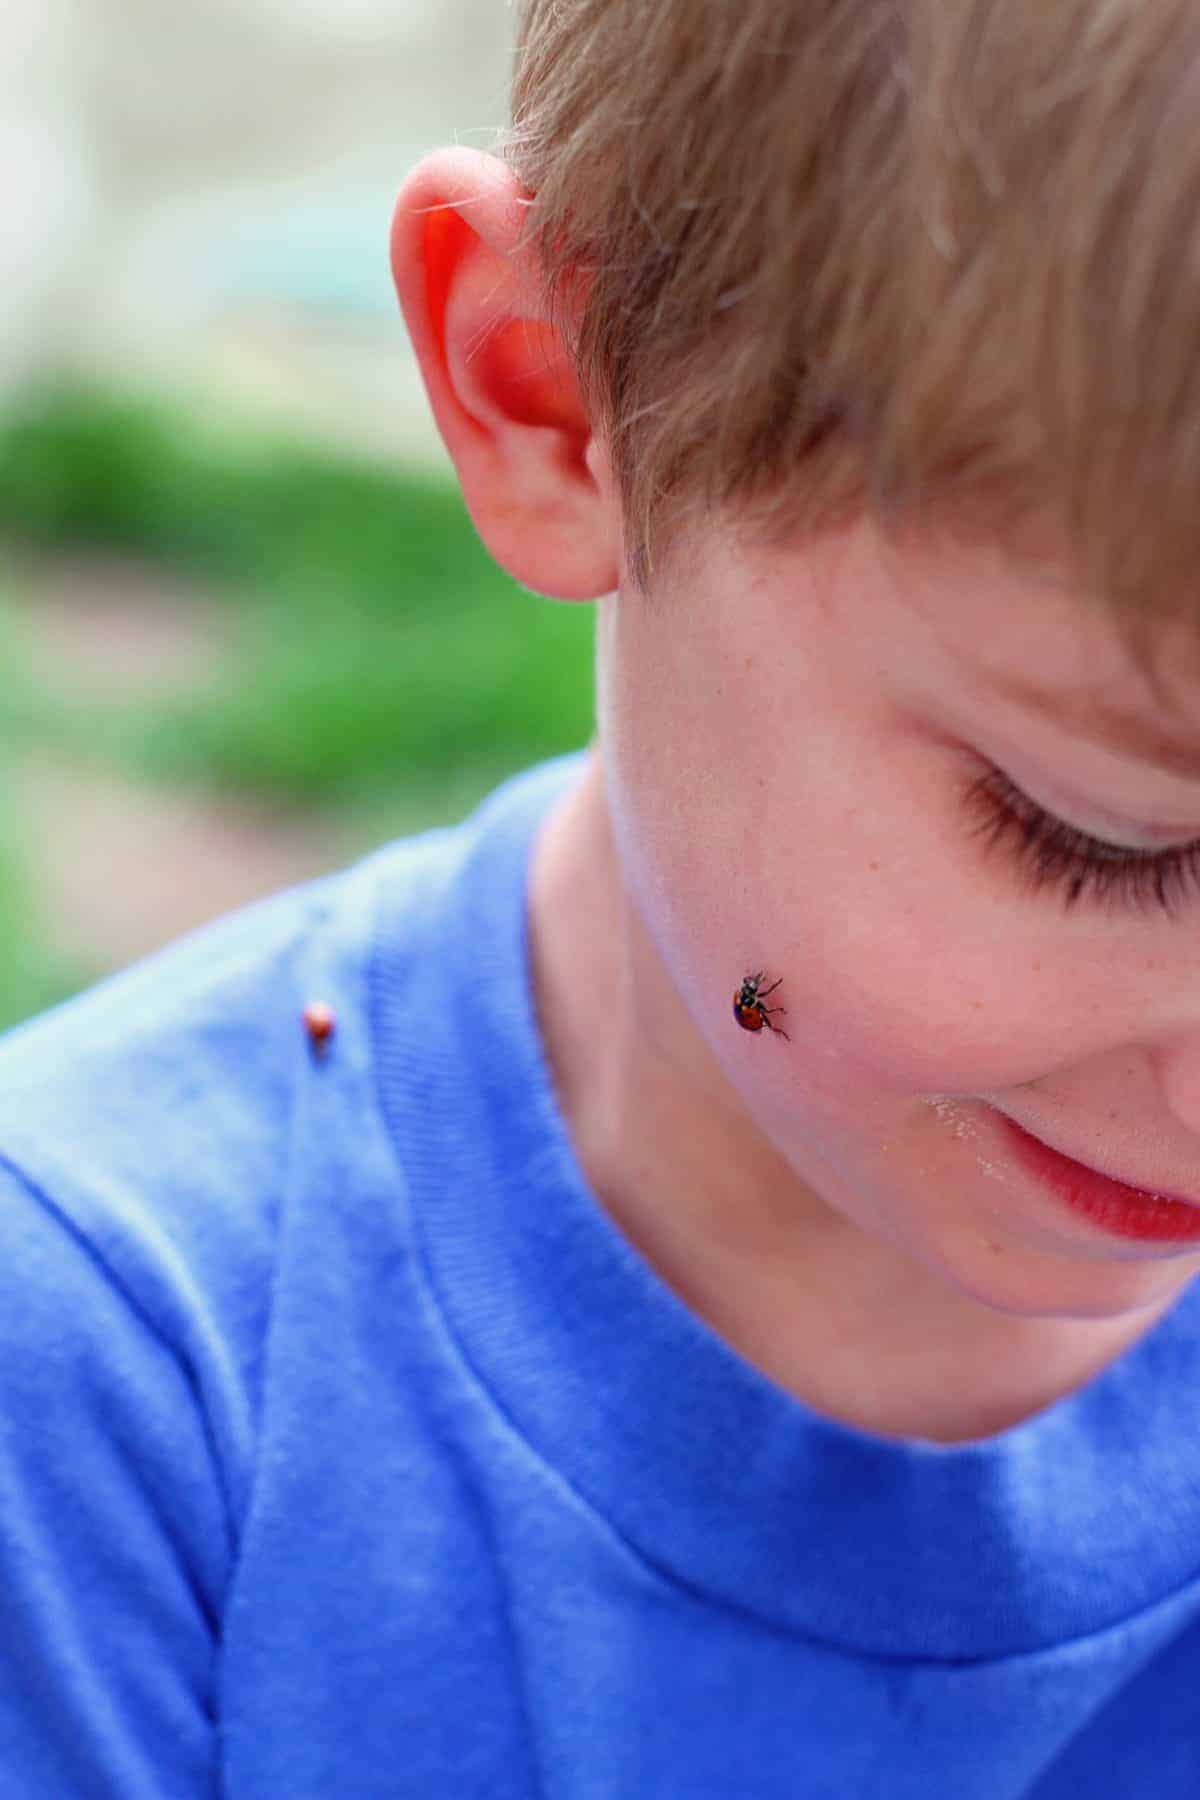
point(1037, 1285)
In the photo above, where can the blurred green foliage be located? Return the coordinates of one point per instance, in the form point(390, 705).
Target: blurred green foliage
point(32, 975)
point(376, 640)
point(380, 662)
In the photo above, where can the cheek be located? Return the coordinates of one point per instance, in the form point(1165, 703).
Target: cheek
point(911, 999)
point(831, 857)
point(690, 809)
point(900, 980)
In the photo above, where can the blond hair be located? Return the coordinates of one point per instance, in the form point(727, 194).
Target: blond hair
point(934, 259)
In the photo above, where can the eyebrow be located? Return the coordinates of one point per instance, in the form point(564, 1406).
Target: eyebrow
point(1108, 727)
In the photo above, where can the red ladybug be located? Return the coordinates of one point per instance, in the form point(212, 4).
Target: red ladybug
point(319, 1023)
point(748, 1008)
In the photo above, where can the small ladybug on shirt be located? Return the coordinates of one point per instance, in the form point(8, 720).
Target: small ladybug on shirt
point(320, 1024)
point(748, 1008)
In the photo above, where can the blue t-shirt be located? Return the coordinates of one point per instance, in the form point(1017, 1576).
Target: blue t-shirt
point(348, 1449)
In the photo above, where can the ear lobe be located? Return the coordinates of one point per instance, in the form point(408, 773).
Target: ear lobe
point(500, 383)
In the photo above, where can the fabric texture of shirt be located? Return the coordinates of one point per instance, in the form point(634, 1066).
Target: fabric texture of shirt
point(348, 1449)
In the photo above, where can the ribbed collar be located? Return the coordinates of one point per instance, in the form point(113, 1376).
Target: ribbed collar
point(1065, 1524)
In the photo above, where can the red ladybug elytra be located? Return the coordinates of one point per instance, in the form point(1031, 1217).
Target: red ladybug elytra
point(748, 1008)
point(319, 1022)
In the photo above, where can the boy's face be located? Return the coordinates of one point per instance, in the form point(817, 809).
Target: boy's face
point(788, 744)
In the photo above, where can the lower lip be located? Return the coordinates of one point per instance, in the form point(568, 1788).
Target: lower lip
point(1126, 1212)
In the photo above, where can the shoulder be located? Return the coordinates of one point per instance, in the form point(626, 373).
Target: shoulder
point(156, 1117)
point(135, 1094)
point(186, 1062)
point(187, 1197)
point(154, 1112)
point(144, 1157)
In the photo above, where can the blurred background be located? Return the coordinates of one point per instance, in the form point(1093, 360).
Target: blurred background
point(247, 631)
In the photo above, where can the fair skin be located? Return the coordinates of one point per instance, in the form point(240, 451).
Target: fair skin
point(784, 739)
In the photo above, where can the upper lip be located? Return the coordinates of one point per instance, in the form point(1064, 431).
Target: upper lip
point(1143, 1187)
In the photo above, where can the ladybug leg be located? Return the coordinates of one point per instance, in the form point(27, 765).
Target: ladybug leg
point(766, 1010)
point(770, 990)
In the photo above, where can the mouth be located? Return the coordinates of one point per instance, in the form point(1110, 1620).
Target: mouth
point(1109, 1203)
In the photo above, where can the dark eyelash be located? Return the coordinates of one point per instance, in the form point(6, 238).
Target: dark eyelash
point(1052, 853)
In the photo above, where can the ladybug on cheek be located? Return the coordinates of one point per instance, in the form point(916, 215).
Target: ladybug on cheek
point(748, 1008)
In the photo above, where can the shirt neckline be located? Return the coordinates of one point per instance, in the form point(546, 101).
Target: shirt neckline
point(1063, 1525)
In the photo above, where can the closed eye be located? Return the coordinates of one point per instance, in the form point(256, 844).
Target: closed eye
point(1049, 854)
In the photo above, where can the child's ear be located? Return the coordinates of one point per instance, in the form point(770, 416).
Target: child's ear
point(533, 474)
